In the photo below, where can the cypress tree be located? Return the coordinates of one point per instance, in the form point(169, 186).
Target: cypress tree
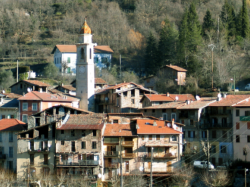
point(208, 23)
point(244, 21)
point(151, 55)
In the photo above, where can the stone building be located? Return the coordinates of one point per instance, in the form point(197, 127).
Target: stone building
point(8, 142)
point(120, 98)
point(99, 83)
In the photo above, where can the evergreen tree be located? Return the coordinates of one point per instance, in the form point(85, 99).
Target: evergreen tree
point(231, 27)
point(208, 24)
point(151, 55)
point(239, 23)
point(193, 17)
point(244, 21)
point(224, 13)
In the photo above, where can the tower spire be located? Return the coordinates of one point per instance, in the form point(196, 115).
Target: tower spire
point(85, 28)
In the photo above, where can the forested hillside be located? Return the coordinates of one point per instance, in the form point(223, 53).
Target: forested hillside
point(148, 33)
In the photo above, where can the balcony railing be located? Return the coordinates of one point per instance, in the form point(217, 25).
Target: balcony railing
point(32, 150)
point(162, 155)
point(111, 140)
point(111, 165)
point(127, 143)
point(217, 125)
point(78, 163)
point(3, 156)
point(128, 155)
point(110, 153)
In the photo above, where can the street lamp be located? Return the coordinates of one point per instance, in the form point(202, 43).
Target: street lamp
point(233, 79)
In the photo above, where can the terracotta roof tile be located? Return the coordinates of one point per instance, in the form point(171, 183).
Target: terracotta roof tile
point(165, 105)
point(177, 68)
point(12, 125)
point(85, 28)
point(230, 100)
point(146, 127)
point(102, 49)
point(83, 121)
point(100, 81)
point(36, 82)
point(118, 130)
point(73, 49)
point(245, 103)
point(43, 96)
point(12, 95)
point(171, 97)
point(68, 87)
point(67, 48)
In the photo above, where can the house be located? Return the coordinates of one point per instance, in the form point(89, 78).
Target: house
point(24, 86)
point(120, 98)
point(157, 99)
point(68, 89)
point(79, 145)
point(99, 83)
point(35, 101)
point(9, 109)
point(8, 142)
point(65, 57)
point(172, 72)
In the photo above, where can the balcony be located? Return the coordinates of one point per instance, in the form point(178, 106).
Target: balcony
point(244, 118)
point(2, 156)
point(78, 163)
point(111, 165)
point(111, 140)
point(128, 155)
point(162, 155)
point(128, 143)
point(216, 126)
point(32, 150)
point(111, 153)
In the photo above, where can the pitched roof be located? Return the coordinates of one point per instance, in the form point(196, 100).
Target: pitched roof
point(33, 82)
point(102, 49)
point(100, 81)
point(177, 68)
point(230, 100)
point(171, 97)
point(68, 87)
point(10, 103)
point(146, 127)
point(83, 121)
point(118, 130)
point(165, 105)
point(44, 96)
point(73, 49)
point(12, 95)
point(12, 125)
point(203, 102)
point(85, 28)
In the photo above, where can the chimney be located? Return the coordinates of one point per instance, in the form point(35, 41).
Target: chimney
point(27, 135)
point(154, 124)
point(137, 126)
point(112, 121)
point(197, 98)
point(172, 122)
point(219, 97)
point(168, 94)
point(40, 90)
point(187, 102)
point(225, 95)
point(61, 84)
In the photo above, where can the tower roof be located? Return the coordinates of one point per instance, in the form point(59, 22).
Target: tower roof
point(85, 28)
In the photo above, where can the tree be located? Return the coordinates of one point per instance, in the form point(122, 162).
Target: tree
point(6, 79)
point(245, 21)
point(208, 24)
point(151, 55)
point(129, 77)
point(50, 71)
point(218, 178)
point(182, 177)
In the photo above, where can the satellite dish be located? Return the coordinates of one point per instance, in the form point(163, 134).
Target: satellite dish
point(219, 95)
point(141, 168)
point(28, 89)
point(3, 91)
point(168, 124)
point(176, 98)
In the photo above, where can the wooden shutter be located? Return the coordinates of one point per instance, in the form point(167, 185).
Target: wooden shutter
point(248, 125)
point(237, 125)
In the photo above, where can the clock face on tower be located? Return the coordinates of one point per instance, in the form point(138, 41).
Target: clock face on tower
point(81, 69)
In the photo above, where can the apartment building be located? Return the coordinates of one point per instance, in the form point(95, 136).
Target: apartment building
point(120, 98)
point(8, 142)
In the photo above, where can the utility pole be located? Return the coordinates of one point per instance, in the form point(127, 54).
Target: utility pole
point(246, 177)
point(208, 154)
point(212, 48)
point(17, 71)
point(218, 30)
point(120, 66)
point(28, 176)
point(151, 175)
point(121, 183)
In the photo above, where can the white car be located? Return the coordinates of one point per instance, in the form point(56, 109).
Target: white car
point(203, 164)
point(247, 87)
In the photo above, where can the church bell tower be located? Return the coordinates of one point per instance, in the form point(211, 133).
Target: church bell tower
point(85, 72)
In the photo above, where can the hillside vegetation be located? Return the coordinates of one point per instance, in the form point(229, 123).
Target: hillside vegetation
point(148, 34)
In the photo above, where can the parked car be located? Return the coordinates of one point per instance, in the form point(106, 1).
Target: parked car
point(247, 87)
point(203, 164)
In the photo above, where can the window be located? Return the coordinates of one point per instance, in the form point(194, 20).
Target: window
point(94, 132)
point(34, 106)
point(237, 125)
point(237, 138)
point(62, 131)
point(191, 134)
point(62, 142)
point(145, 110)
point(25, 106)
point(184, 134)
point(93, 145)
point(153, 110)
point(248, 125)
point(237, 112)
point(1, 150)
point(10, 165)
point(125, 94)
point(165, 116)
point(82, 53)
point(10, 152)
point(115, 121)
point(224, 134)
point(10, 137)
point(204, 134)
point(174, 138)
point(73, 148)
point(21, 86)
point(173, 116)
point(164, 110)
point(31, 159)
point(72, 132)
point(3, 116)
point(149, 137)
point(90, 54)
point(68, 70)
point(213, 134)
point(223, 149)
point(213, 149)
point(25, 118)
point(68, 59)
point(133, 101)
point(46, 159)
point(83, 133)
point(142, 138)
point(0, 137)
point(158, 137)
point(247, 113)
point(248, 139)
point(12, 116)
point(83, 145)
